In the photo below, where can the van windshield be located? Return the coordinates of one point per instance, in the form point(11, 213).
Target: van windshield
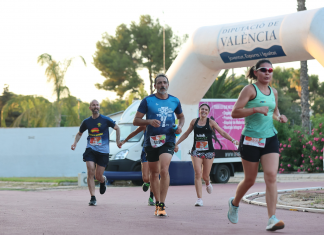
point(125, 130)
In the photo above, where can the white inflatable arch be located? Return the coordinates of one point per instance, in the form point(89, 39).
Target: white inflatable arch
point(293, 37)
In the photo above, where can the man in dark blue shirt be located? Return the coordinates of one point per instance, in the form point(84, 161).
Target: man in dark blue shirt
point(97, 151)
point(159, 142)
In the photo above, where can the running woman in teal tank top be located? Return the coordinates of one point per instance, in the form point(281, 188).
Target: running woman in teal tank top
point(258, 104)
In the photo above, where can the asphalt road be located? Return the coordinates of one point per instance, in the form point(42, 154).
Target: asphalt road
point(124, 210)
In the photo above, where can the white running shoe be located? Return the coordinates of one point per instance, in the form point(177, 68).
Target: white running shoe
point(209, 188)
point(274, 224)
point(199, 202)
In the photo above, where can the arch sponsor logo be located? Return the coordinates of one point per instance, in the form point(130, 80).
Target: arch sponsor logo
point(250, 41)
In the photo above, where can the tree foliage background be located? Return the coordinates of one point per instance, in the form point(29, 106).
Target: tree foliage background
point(135, 47)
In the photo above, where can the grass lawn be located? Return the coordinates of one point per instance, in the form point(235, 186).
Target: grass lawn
point(40, 179)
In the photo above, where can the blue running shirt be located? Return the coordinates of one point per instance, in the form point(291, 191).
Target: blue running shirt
point(162, 110)
point(98, 132)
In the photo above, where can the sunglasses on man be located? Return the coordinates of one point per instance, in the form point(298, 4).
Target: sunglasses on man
point(264, 69)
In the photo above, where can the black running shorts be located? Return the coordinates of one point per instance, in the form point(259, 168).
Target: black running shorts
point(153, 154)
point(101, 159)
point(254, 154)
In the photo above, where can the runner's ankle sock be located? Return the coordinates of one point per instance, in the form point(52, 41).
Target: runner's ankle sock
point(93, 197)
point(232, 204)
point(161, 204)
point(151, 195)
point(157, 203)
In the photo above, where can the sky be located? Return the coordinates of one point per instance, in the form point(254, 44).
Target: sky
point(71, 28)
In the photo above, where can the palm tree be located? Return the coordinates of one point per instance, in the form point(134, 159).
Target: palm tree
point(226, 87)
point(55, 72)
point(301, 6)
point(34, 111)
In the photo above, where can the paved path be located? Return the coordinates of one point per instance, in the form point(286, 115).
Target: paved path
point(123, 210)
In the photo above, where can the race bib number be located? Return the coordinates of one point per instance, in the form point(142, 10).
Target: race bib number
point(157, 141)
point(202, 145)
point(95, 141)
point(257, 142)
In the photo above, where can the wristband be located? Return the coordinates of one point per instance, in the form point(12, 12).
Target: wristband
point(278, 118)
point(233, 140)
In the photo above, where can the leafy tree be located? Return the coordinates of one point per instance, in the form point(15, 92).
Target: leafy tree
point(148, 35)
point(136, 47)
point(55, 72)
point(112, 106)
point(39, 112)
point(6, 96)
point(117, 59)
point(287, 80)
point(226, 87)
point(34, 112)
point(71, 110)
point(314, 88)
point(318, 106)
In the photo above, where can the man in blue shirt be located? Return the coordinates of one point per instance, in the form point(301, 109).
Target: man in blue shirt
point(159, 141)
point(97, 151)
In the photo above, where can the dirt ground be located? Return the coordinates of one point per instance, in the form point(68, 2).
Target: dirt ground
point(32, 186)
point(308, 199)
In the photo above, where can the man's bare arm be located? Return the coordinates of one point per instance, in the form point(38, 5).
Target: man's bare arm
point(116, 127)
point(181, 119)
point(76, 140)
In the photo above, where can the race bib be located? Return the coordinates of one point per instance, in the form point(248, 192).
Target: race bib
point(202, 145)
point(95, 141)
point(257, 142)
point(157, 141)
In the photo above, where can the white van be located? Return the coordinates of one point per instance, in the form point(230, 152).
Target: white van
point(226, 162)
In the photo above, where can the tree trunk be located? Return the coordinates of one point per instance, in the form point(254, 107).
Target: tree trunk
point(151, 81)
point(301, 6)
point(304, 95)
point(58, 116)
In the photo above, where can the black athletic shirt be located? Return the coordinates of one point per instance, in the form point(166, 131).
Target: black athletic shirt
point(203, 141)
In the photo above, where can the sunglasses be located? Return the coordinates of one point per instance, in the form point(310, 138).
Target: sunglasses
point(264, 70)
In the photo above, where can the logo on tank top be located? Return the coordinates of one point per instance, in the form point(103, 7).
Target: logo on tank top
point(262, 102)
point(200, 135)
point(164, 113)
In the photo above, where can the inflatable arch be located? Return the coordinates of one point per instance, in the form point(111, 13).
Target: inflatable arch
point(293, 37)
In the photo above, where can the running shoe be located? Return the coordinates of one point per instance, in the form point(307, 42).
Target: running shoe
point(274, 224)
point(93, 202)
point(102, 189)
point(151, 202)
point(232, 213)
point(199, 202)
point(209, 188)
point(145, 186)
point(156, 210)
point(161, 211)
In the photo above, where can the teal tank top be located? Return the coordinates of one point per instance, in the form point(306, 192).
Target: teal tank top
point(257, 125)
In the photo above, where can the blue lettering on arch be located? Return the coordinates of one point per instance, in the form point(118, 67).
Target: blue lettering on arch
point(256, 53)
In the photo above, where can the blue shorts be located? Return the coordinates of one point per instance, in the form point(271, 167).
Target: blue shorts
point(143, 157)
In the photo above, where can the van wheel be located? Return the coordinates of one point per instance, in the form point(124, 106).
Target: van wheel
point(138, 182)
point(222, 174)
